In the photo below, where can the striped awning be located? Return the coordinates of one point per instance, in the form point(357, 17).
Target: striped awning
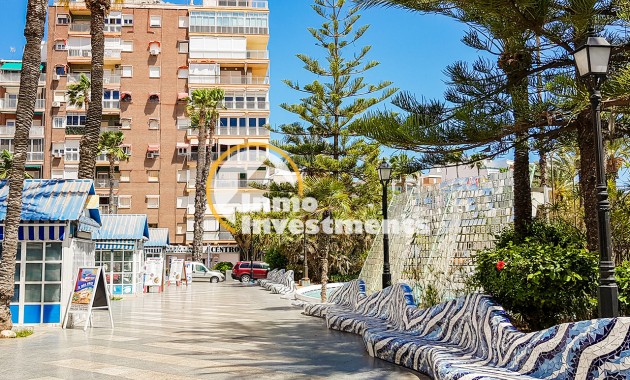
point(115, 244)
point(38, 232)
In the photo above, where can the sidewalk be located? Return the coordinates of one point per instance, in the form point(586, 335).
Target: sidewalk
point(212, 331)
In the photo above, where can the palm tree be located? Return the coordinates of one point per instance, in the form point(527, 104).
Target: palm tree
point(402, 166)
point(109, 143)
point(617, 153)
point(31, 60)
point(477, 160)
point(203, 110)
point(6, 164)
point(79, 95)
point(89, 141)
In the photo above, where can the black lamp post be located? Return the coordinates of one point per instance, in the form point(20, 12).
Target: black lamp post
point(385, 175)
point(251, 251)
point(591, 60)
point(305, 280)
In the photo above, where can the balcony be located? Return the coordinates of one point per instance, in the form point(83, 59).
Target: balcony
point(35, 156)
point(242, 131)
point(212, 236)
point(36, 132)
point(108, 79)
point(111, 105)
point(227, 80)
point(75, 130)
point(229, 54)
point(103, 183)
point(104, 209)
point(80, 27)
point(224, 184)
point(113, 54)
point(13, 78)
point(217, 29)
point(112, 28)
point(10, 105)
point(9, 131)
point(246, 105)
point(259, 4)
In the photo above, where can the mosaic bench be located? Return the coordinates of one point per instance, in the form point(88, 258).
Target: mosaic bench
point(271, 276)
point(276, 279)
point(286, 284)
point(472, 338)
point(346, 296)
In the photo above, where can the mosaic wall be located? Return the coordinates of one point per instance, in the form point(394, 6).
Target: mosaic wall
point(452, 220)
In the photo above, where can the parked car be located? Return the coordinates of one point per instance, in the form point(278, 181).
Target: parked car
point(242, 271)
point(201, 273)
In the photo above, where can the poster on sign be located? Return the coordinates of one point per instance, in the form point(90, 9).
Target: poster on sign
point(153, 268)
point(89, 293)
point(188, 269)
point(176, 272)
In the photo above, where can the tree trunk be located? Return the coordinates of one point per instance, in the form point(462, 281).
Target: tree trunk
point(89, 141)
point(588, 179)
point(112, 206)
point(200, 190)
point(522, 187)
point(34, 32)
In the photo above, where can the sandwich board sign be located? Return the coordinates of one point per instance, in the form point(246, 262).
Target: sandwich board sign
point(89, 293)
point(177, 272)
point(153, 270)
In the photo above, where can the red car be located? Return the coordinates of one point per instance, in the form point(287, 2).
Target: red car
point(242, 271)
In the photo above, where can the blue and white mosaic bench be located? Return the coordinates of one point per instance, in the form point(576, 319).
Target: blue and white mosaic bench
point(286, 284)
point(271, 276)
point(273, 281)
point(346, 297)
point(471, 338)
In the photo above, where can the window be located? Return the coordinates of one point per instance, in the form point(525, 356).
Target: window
point(183, 21)
point(58, 149)
point(124, 201)
point(126, 148)
point(71, 151)
point(6, 144)
point(125, 123)
point(154, 124)
point(127, 20)
point(153, 201)
point(60, 45)
point(126, 46)
point(60, 70)
point(154, 71)
point(127, 71)
point(63, 19)
point(181, 228)
point(59, 96)
point(155, 21)
point(56, 174)
point(154, 175)
point(182, 202)
point(75, 120)
point(183, 46)
point(71, 172)
point(182, 73)
point(59, 122)
point(125, 175)
point(183, 123)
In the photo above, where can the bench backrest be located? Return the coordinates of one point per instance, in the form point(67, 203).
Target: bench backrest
point(348, 294)
point(389, 304)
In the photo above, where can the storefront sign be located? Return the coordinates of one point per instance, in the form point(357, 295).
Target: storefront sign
point(90, 293)
point(223, 249)
point(153, 269)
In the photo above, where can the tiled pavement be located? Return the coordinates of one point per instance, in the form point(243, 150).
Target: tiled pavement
point(212, 331)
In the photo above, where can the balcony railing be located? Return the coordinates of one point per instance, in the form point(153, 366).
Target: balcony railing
point(211, 236)
point(104, 209)
point(246, 105)
point(36, 131)
point(14, 77)
point(80, 27)
point(112, 28)
point(230, 54)
point(79, 53)
point(113, 53)
point(229, 29)
point(11, 104)
point(261, 4)
point(242, 131)
point(111, 104)
point(35, 156)
point(239, 183)
point(107, 78)
point(7, 130)
point(227, 79)
point(103, 183)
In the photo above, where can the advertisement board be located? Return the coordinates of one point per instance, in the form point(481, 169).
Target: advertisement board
point(89, 293)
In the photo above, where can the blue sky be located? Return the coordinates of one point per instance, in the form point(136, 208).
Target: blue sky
point(413, 49)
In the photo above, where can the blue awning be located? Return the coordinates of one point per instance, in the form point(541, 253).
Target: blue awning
point(38, 233)
point(116, 244)
point(122, 227)
point(158, 237)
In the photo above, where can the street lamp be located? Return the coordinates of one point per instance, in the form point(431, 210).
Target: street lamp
point(251, 251)
point(385, 176)
point(305, 280)
point(591, 60)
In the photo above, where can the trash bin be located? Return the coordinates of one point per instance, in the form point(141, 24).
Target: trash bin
point(228, 275)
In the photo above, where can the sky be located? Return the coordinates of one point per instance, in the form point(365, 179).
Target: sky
point(413, 49)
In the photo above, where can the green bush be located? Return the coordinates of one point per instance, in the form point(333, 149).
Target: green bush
point(544, 283)
point(276, 259)
point(622, 275)
point(559, 233)
point(223, 266)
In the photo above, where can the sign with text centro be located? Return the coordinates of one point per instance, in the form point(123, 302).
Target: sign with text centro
point(89, 293)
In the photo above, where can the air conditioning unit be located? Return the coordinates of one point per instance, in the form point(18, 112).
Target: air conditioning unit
point(153, 154)
point(56, 77)
point(154, 51)
point(56, 104)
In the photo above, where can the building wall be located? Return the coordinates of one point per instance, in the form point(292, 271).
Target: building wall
point(140, 111)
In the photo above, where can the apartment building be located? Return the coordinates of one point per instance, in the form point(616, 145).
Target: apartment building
point(9, 89)
point(156, 54)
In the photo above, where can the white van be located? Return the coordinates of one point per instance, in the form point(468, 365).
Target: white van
point(201, 273)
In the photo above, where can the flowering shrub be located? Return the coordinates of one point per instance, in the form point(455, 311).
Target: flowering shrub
point(544, 283)
point(622, 275)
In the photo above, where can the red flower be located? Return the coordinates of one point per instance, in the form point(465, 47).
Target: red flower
point(500, 265)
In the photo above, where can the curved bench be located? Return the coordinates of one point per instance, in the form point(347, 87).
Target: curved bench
point(472, 338)
point(286, 285)
point(347, 296)
point(271, 276)
point(276, 280)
